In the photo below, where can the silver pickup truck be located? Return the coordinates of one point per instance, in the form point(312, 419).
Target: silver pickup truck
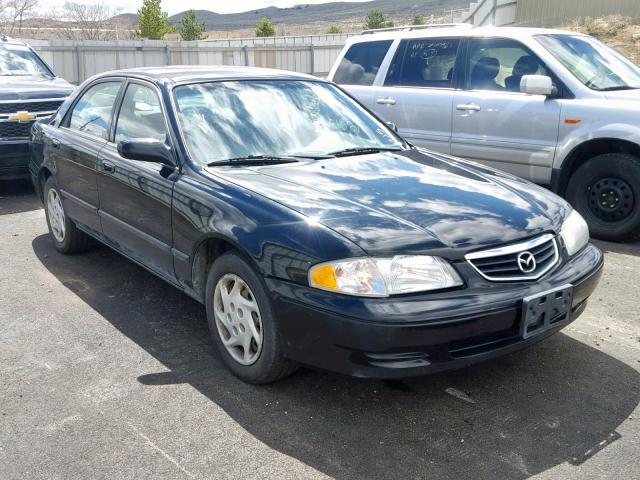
point(558, 108)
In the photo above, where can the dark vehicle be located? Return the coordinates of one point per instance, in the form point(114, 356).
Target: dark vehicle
point(312, 233)
point(29, 90)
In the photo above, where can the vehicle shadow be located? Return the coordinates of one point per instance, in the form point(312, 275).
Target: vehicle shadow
point(626, 248)
point(17, 196)
point(560, 401)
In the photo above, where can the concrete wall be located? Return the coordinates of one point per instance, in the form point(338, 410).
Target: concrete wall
point(78, 60)
point(549, 13)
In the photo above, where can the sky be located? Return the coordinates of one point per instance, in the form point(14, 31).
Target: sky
point(176, 6)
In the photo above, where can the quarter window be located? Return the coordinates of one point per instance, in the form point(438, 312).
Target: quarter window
point(141, 115)
point(425, 62)
point(361, 63)
point(500, 64)
point(91, 114)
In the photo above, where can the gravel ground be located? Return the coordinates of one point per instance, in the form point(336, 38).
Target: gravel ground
point(107, 372)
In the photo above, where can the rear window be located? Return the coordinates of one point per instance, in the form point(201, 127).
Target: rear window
point(361, 63)
point(424, 62)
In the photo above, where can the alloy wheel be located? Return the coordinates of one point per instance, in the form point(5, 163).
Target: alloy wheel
point(56, 215)
point(238, 319)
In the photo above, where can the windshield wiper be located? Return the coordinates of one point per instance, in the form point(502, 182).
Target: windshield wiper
point(618, 87)
point(253, 160)
point(362, 151)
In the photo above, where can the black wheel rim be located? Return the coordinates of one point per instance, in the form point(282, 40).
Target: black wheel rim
point(611, 199)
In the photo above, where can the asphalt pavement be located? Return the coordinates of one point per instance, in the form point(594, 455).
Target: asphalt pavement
point(108, 372)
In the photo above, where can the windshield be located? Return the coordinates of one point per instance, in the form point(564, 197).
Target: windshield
point(593, 63)
point(18, 60)
point(222, 120)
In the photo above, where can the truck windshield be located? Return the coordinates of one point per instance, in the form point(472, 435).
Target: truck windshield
point(18, 60)
point(233, 119)
point(593, 63)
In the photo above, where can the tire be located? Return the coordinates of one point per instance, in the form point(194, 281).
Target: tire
point(67, 238)
point(605, 190)
point(230, 318)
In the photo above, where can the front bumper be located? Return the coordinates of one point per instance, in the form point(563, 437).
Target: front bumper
point(418, 334)
point(14, 158)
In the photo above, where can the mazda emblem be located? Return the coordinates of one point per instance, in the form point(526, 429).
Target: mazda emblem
point(526, 262)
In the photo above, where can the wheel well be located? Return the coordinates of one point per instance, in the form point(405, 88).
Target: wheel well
point(44, 175)
point(205, 255)
point(590, 149)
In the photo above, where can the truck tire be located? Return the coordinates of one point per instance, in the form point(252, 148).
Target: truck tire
point(605, 190)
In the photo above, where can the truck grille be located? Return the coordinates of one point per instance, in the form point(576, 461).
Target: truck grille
point(521, 261)
point(33, 107)
point(15, 129)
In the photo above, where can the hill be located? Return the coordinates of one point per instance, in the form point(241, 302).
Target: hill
point(327, 13)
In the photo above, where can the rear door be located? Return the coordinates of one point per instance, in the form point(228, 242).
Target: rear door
point(136, 196)
point(358, 69)
point(74, 148)
point(417, 95)
point(495, 124)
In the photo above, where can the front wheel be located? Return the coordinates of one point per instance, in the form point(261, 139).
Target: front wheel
point(606, 191)
point(242, 322)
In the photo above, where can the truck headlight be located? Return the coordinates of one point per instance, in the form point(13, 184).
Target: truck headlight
point(381, 277)
point(574, 232)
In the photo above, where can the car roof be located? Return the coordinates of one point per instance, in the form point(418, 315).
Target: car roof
point(179, 74)
point(461, 30)
point(4, 40)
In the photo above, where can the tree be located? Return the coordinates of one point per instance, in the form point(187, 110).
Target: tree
point(153, 23)
point(16, 11)
point(334, 29)
point(264, 28)
point(375, 19)
point(418, 20)
point(190, 28)
point(92, 22)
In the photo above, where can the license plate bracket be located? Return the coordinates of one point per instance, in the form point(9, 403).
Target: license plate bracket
point(546, 310)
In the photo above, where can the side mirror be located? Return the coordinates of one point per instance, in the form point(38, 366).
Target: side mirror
point(537, 85)
point(146, 150)
point(392, 126)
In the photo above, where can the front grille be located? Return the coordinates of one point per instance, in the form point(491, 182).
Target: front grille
point(32, 107)
point(521, 261)
point(15, 129)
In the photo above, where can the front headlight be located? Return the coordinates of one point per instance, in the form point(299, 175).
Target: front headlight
point(381, 277)
point(574, 232)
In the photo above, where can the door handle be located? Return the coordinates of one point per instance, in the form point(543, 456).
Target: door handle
point(468, 106)
point(386, 101)
point(108, 167)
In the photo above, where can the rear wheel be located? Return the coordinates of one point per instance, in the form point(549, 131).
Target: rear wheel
point(606, 192)
point(242, 322)
point(67, 238)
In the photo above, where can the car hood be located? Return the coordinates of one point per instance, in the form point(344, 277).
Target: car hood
point(33, 88)
point(408, 201)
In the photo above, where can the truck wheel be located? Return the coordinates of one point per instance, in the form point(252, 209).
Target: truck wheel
point(242, 322)
point(67, 238)
point(606, 191)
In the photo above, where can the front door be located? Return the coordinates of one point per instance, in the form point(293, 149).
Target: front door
point(136, 196)
point(74, 148)
point(417, 95)
point(495, 124)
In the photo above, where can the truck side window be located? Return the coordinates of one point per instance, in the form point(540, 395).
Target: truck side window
point(499, 64)
point(424, 62)
point(361, 63)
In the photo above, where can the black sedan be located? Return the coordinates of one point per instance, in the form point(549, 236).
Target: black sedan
point(312, 233)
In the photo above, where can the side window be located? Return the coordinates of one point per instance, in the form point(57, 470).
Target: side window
point(499, 64)
point(91, 114)
point(424, 62)
point(361, 63)
point(141, 115)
